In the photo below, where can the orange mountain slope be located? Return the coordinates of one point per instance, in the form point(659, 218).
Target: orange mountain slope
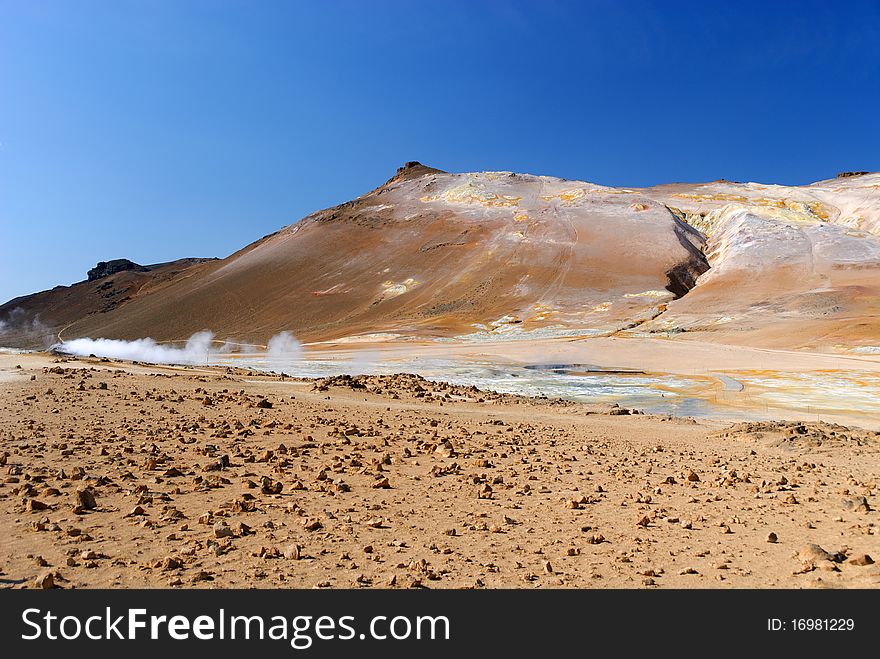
point(503, 255)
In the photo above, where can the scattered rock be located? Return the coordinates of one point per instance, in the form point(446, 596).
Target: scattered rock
point(812, 553)
point(222, 530)
point(45, 581)
point(268, 486)
point(33, 505)
point(861, 560)
point(84, 499)
point(857, 505)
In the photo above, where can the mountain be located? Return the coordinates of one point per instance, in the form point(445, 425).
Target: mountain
point(34, 321)
point(503, 255)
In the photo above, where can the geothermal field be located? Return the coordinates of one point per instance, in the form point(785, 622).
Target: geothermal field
point(481, 380)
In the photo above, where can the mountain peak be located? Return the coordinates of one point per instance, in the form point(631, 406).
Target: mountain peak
point(413, 169)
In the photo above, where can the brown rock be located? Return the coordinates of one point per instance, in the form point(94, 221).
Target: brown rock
point(268, 486)
point(171, 563)
point(222, 530)
point(45, 581)
point(85, 499)
point(857, 504)
point(813, 553)
point(33, 505)
point(861, 559)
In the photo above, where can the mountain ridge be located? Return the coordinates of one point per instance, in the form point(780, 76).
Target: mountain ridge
point(500, 255)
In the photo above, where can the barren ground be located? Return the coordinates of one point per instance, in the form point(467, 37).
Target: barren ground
point(120, 475)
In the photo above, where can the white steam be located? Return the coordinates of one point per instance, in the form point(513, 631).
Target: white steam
point(196, 350)
point(199, 349)
point(284, 345)
point(19, 323)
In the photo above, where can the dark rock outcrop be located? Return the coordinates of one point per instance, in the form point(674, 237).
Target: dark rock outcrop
point(107, 268)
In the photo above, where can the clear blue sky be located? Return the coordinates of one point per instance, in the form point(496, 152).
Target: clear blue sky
point(158, 129)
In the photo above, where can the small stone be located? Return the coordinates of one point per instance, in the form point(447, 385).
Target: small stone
point(813, 553)
point(222, 530)
point(857, 504)
point(311, 524)
point(171, 563)
point(45, 581)
point(687, 524)
point(382, 484)
point(692, 477)
point(548, 568)
point(268, 486)
point(293, 552)
point(644, 521)
point(85, 499)
point(772, 538)
point(861, 560)
point(33, 505)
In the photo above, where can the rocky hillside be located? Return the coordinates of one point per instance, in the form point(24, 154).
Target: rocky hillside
point(502, 255)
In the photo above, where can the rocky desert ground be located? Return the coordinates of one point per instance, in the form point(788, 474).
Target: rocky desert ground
point(129, 475)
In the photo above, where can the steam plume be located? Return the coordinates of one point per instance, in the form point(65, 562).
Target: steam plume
point(284, 345)
point(28, 327)
point(196, 350)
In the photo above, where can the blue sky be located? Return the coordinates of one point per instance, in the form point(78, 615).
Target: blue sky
point(153, 130)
